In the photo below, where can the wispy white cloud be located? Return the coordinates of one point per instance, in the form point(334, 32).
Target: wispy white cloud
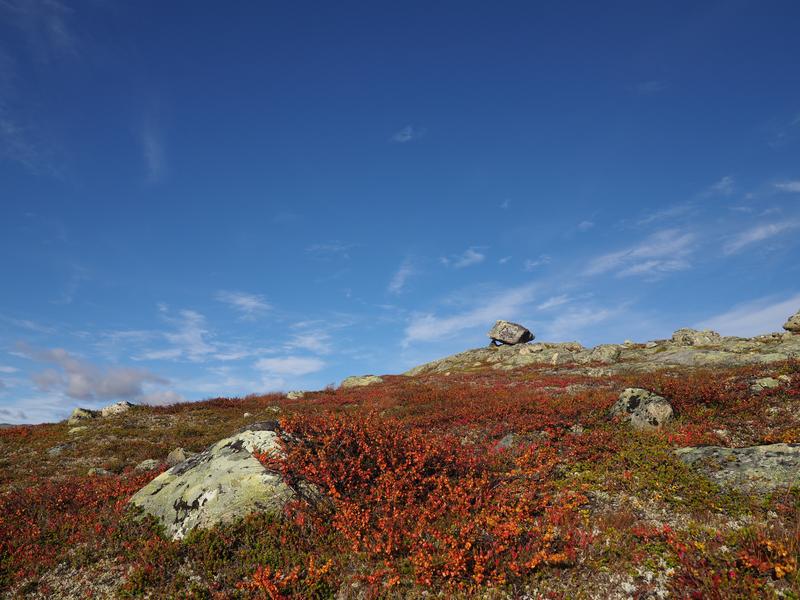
point(664, 251)
point(401, 277)
point(187, 341)
point(757, 234)
point(585, 225)
point(507, 304)
point(290, 366)
point(249, 306)
point(316, 341)
point(8, 370)
point(470, 256)
point(535, 263)
point(330, 250)
point(408, 134)
point(504, 260)
point(762, 315)
point(788, 186)
point(553, 302)
point(45, 24)
point(724, 187)
point(665, 214)
point(153, 151)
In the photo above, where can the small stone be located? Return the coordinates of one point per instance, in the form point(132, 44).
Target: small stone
point(115, 409)
point(247, 414)
point(295, 395)
point(98, 472)
point(361, 381)
point(765, 383)
point(506, 332)
point(149, 464)
point(792, 325)
point(643, 409)
point(74, 430)
point(81, 414)
point(509, 440)
point(178, 456)
point(59, 448)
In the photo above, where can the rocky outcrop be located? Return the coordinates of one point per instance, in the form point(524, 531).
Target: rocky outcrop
point(117, 408)
point(295, 395)
point(506, 332)
point(699, 349)
point(758, 469)
point(793, 323)
point(693, 337)
point(642, 408)
point(221, 484)
point(360, 381)
point(81, 415)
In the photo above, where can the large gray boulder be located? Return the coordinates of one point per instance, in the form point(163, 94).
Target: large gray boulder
point(117, 408)
point(221, 484)
point(360, 381)
point(506, 332)
point(693, 337)
point(793, 324)
point(643, 409)
point(757, 469)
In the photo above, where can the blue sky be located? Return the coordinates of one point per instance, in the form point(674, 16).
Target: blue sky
point(249, 197)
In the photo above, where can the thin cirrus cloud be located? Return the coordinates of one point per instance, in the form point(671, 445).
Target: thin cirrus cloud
point(470, 256)
point(662, 252)
point(788, 186)
point(153, 152)
point(758, 234)
point(290, 366)
point(409, 133)
point(534, 263)
point(753, 318)
point(401, 277)
point(249, 306)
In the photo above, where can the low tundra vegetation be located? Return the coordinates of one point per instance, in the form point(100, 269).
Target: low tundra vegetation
point(480, 484)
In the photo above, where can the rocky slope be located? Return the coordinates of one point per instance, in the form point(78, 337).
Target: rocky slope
point(686, 348)
point(660, 470)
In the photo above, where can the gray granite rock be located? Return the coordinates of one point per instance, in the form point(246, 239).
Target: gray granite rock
point(755, 469)
point(506, 332)
point(642, 408)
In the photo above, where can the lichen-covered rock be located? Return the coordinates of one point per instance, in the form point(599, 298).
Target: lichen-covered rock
point(220, 484)
point(116, 409)
point(80, 415)
point(295, 395)
point(605, 353)
point(510, 333)
point(98, 472)
point(693, 337)
point(758, 469)
point(793, 323)
point(643, 408)
point(360, 381)
point(765, 383)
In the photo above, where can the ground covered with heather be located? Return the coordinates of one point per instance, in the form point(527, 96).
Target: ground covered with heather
point(482, 484)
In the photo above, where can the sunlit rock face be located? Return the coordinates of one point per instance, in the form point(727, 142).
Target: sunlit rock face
point(221, 484)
